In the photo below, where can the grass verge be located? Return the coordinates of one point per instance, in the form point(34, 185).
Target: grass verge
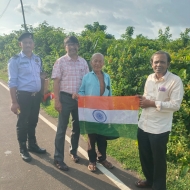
point(3, 75)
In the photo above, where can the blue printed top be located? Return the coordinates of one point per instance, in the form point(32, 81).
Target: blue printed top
point(24, 72)
point(91, 86)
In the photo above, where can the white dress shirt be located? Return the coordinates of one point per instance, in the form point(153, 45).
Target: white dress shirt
point(167, 92)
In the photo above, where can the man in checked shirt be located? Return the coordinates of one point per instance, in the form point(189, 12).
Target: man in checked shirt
point(67, 74)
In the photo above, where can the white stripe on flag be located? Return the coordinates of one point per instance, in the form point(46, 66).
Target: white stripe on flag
point(109, 116)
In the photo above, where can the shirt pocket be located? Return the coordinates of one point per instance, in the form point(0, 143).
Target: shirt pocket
point(24, 68)
point(80, 73)
point(162, 95)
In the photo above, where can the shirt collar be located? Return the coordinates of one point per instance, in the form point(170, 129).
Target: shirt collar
point(70, 59)
point(95, 73)
point(23, 55)
point(163, 78)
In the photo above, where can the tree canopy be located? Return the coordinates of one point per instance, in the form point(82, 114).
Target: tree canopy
point(126, 61)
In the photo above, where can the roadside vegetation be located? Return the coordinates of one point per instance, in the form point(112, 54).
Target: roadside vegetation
point(127, 63)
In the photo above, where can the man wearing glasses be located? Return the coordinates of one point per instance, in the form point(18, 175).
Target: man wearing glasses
point(67, 74)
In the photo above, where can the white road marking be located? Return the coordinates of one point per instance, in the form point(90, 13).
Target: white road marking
point(106, 172)
point(8, 152)
point(4, 86)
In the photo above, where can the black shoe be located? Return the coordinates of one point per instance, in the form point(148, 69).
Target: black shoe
point(25, 155)
point(61, 165)
point(35, 148)
point(24, 152)
point(143, 184)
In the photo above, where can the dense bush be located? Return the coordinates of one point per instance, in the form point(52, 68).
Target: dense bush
point(127, 62)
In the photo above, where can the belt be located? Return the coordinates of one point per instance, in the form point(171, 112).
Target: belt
point(27, 93)
point(66, 93)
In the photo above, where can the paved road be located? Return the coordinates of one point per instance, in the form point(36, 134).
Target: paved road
point(40, 173)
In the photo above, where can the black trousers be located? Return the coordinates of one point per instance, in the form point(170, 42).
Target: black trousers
point(152, 152)
point(28, 117)
point(101, 144)
point(69, 106)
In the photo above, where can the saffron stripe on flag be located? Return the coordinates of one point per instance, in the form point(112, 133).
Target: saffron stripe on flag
point(109, 102)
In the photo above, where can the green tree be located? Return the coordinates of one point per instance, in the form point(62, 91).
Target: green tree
point(185, 37)
point(94, 39)
point(49, 44)
point(128, 66)
point(95, 28)
point(128, 33)
point(164, 37)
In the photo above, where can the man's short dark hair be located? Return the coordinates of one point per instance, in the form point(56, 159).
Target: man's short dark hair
point(161, 52)
point(71, 39)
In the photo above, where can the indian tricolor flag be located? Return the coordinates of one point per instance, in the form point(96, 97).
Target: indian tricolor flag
point(115, 116)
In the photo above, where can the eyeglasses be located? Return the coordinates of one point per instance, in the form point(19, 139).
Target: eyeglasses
point(72, 44)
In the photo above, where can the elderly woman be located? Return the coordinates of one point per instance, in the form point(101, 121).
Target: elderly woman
point(96, 83)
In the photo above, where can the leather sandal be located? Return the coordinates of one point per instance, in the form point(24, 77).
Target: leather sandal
point(142, 184)
point(75, 158)
point(106, 164)
point(92, 166)
point(61, 165)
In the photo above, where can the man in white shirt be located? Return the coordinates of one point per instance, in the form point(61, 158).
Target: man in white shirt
point(163, 94)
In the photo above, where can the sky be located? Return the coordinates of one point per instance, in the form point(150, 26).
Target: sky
point(146, 16)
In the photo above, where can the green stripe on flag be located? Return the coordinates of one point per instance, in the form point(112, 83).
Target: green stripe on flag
point(114, 130)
